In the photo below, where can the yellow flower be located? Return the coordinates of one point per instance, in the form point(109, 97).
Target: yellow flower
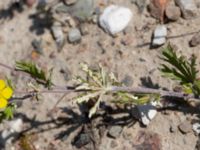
point(5, 93)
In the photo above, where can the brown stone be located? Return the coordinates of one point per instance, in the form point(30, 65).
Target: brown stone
point(147, 140)
point(185, 127)
point(173, 12)
point(195, 40)
point(30, 3)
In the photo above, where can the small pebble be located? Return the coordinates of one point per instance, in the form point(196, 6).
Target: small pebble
point(16, 125)
point(172, 129)
point(30, 3)
point(196, 128)
point(82, 140)
point(195, 41)
point(128, 80)
point(146, 112)
point(159, 37)
point(172, 12)
point(84, 29)
point(74, 35)
point(115, 131)
point(58, 36)
point(185, 127)
point(37, 45)
point(188, 8)
point(115, 19)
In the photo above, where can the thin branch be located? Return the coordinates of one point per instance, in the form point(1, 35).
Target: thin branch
point(113, 89)
point(67, 89)
point(6, 66)
point(162, 93)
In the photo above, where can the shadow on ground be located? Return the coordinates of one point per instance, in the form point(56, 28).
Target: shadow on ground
point(87, 131)
point(9, 12)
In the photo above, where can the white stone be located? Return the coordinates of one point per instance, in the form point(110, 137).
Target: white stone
point(115, 18)
point(16, 125)
point(58, 35)
point(13, 130)
point(147, 112)
point(159, 36)
point(196, 128)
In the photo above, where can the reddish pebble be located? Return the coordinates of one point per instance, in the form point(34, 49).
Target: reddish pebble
point(30, 3)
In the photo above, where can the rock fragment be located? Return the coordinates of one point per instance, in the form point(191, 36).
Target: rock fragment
point(185, 127)
point(172, 12)
point(82, 139)
point(196, 128)
point(84, 29)
point(37, 45)
point(58, 36)
point(115, 19)
point(12, 132)
point(115, 131)
point(16, 125)
point(82, 9)
point(74, 35)
point(195, 41)
point(159, 37)
point(128, 80)
point(147, 112)
point(188, 8)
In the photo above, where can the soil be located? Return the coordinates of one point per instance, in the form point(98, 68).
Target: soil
point(59, 129)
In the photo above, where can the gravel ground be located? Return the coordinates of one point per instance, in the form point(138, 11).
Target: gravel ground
point(134, 59)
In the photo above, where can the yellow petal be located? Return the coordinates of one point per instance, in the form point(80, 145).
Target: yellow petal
point(7, 92)
point(3, 103)
point(2, 84)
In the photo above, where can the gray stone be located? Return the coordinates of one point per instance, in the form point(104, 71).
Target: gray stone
point(128, 80)
point(172, 12)
point(185, 127)
point(195, 40)
point(115, 131)
point(14, 127)
point(159, 37)
point(82, 140)
point(188, 8)
point(74, 35)
point(172, 129)
point(196, 128)
point(58, 36)
point(37, 45)
point(82, 9)
point(84, 29)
